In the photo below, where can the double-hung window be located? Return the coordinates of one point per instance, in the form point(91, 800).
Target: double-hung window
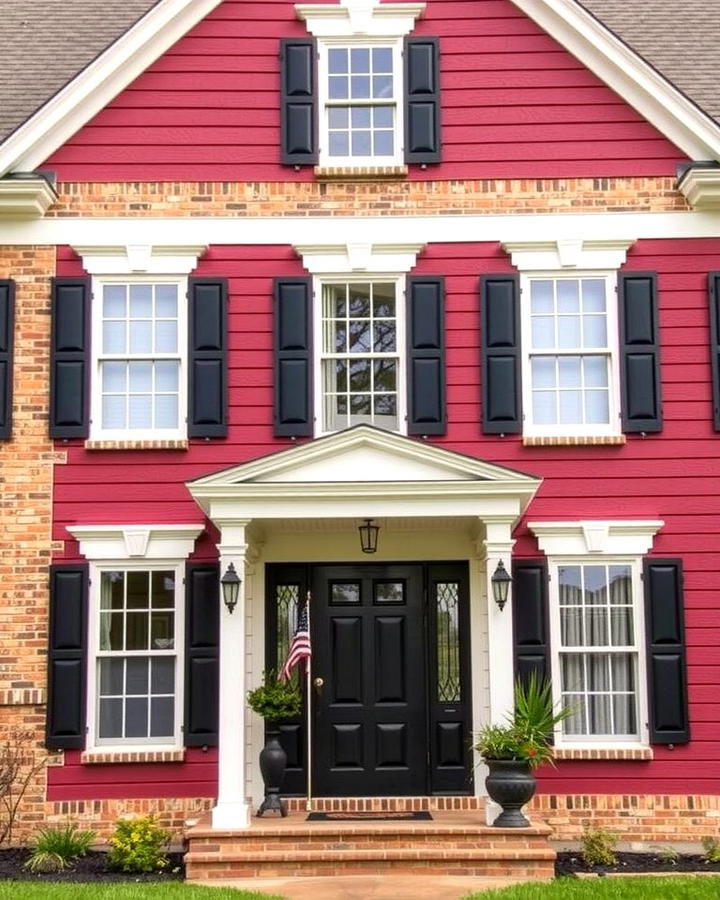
point(570, 341)
point(139, 332)
point(360, 105)
point(137, 667)
point(361, 359)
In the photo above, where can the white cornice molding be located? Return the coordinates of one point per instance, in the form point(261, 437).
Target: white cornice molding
point(701, 188)
point(338, 259)
point(606, 537)
point(116, 542)
point(25, 198)
point(359, 18)
point(569, 253)
point(637, 82)
point(145, 259)
point(100, 82)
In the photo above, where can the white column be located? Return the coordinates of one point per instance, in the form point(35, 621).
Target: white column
point(498, 546)
point(232, 810)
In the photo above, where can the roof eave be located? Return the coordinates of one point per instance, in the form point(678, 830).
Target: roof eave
point(100, 82)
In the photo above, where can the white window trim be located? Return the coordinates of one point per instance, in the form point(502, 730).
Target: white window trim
point(148, 744)
point(97, 432)
point(613, 426)
point(139, 547)
point(604, 542)
point(397, 158)
point(360, 23)
point(319, 283)
point(570, 258)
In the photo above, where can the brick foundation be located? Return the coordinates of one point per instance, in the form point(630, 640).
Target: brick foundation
point(675, 818)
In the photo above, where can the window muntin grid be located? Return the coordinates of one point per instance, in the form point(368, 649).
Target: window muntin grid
point(360, 359)
point(360, 105)
point(570, 355)
point(139, 360)
point(598, 653)
point(136, 657)
point(447, 611)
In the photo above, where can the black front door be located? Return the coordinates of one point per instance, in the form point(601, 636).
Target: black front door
point(391, 644)
point(370, 711)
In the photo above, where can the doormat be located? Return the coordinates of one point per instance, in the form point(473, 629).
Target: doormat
point(381, 816)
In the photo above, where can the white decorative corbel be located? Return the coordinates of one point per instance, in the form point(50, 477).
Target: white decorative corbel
point(136, 542)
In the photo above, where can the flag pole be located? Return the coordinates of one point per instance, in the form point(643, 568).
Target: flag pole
point(308, 727)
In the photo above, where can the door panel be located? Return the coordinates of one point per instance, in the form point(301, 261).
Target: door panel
point(370, 719)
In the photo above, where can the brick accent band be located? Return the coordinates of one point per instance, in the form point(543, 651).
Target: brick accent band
point(99, 757)
point(22, 697)
point(136, 445)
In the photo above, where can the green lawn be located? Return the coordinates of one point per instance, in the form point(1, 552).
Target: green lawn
point(27, 890)
point(678, 888)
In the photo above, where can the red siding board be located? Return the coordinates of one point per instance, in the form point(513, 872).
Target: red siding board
point(642, 479)
point(515, 105)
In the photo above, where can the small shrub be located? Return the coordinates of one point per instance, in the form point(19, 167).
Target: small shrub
point(139, 845)
point(711, 846)
point(598, 847)
point(44, 861)
point(668, 855)
point(69, 842)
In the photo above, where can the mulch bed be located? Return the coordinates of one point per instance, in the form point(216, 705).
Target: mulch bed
point(93, 867)
point(569, 862)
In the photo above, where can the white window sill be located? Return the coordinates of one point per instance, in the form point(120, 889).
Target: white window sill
point(120, 756)
point(628, 752)
point(578, 440)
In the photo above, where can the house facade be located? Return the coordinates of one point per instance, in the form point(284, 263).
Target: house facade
point(269, 271)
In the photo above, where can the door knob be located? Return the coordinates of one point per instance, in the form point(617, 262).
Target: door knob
point(318, 682)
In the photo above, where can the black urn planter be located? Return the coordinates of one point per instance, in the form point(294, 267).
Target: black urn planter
point(510, 784)
point(273, 761)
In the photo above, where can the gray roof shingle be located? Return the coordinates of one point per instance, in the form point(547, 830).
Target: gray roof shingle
point(47, 42)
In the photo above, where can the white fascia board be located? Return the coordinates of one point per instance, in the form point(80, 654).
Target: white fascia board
point(100, 82)
point(637, 82)
point(608, 537)
point(208, 230)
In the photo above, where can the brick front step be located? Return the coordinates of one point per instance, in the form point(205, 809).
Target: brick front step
point(453, 843)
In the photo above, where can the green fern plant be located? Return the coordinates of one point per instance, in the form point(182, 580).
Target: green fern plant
point(274, 699)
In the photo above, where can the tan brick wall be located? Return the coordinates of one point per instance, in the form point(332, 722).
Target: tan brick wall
point(676, 818)
point(348, 198)
point(26, 464)
point(101, 815)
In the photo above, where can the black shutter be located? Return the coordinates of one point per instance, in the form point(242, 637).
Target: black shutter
point(70, 358)
point(299, 104)
point(639, 352)
point(427, 412)
point(500, 335)
point(714, 290)
point(293, 357)
point(665, 625)
point(202, 654)
point(7, 330)
point(207, 369)
point(531, 636)
point(65, 727)
point(422, 100)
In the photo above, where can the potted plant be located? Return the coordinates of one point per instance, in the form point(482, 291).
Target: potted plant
point(512, 751)
point(274, 700)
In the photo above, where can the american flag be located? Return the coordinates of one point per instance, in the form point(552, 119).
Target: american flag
point(300, 648)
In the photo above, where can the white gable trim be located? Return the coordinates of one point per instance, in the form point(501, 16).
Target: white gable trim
point(93, 88)
point(355, 18)
point(645, 89)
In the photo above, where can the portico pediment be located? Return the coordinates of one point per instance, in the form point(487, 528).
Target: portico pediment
point(363, 471)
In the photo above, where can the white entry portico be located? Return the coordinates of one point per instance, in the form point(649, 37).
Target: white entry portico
point(305, 503)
